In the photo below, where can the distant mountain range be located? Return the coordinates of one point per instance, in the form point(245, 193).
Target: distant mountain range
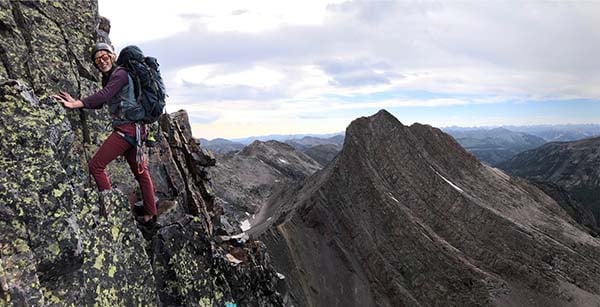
point(220, 146)
point(407, 216)
point(310, 141)
point(550, 133)
point(495, 145)
point(321, 149)
point(492, 145)
point(281, 137)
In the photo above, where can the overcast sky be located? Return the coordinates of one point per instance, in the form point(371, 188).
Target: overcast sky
point(244, 68)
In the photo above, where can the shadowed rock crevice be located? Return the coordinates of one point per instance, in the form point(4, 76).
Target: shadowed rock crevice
point(25, 31)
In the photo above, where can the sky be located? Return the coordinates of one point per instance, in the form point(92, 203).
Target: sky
point(248, 68)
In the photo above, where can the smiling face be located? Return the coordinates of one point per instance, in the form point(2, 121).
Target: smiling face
point(103, 60)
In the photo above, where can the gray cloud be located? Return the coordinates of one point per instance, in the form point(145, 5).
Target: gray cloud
point(229, 92)
point(358, 72)
point(520, 37)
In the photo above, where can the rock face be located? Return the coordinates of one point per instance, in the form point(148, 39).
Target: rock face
point(573, 166)
point(495, 145)
point(576, 210)
point(55, 247)
point(62, 243)
point(244, 180)
point(404, 216)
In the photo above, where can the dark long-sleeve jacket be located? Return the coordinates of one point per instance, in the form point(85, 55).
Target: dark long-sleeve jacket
point(117, 92)
point(116, 81)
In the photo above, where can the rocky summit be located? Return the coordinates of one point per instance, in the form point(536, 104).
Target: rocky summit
point(404, 216)
point(244, 180)
point(64, 244)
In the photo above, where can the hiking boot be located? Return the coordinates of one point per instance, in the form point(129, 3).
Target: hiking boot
point(138, 209)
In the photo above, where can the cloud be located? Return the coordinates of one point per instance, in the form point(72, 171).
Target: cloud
point(358, 72)
point(487, 37)
point(203, 117)
point(229, 92)
point(368, 11)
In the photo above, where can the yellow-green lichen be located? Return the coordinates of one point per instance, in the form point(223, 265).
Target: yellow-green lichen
point(111, 271)
point(54, 249)
point(57, 193)
point(50, 298)
point(114, 230)
point(99, 260)
point(18, 228)
point(58, 213)
point(107, 297)
point(21, 246)
point(206, 302)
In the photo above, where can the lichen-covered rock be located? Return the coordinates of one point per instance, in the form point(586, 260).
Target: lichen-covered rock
point(55, 247)
point(192, 270)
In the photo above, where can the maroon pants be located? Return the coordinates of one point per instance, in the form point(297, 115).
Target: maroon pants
point(114, 146)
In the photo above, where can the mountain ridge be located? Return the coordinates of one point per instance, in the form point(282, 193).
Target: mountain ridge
point(405, 216)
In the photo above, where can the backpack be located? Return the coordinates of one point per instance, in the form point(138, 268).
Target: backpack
point(149, 88)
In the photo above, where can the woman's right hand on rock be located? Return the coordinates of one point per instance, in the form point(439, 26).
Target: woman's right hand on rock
point(67, 100)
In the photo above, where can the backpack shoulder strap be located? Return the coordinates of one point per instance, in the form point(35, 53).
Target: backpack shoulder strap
point(137, 87)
